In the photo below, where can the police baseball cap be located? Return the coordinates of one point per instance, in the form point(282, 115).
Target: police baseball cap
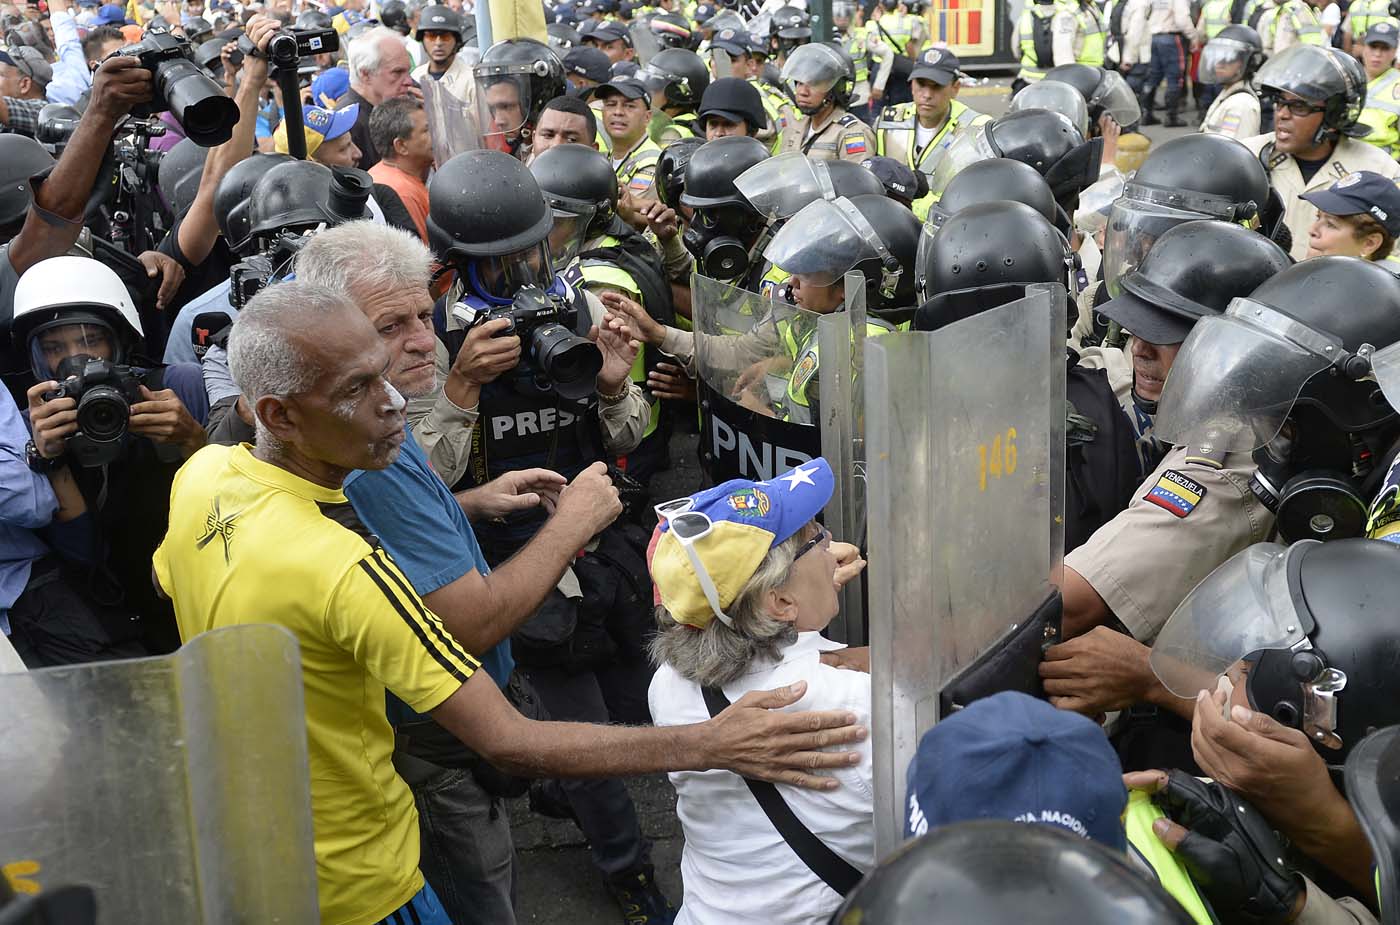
point(1385, 32)
point(589, 62)
point(938, 65)
point(1011, 756)
point(733, 100)
point(1362, 193)
point(608, 31)
point(746, 519)
point(320, 126)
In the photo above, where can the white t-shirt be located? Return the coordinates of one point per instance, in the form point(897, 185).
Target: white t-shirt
point(736, 868)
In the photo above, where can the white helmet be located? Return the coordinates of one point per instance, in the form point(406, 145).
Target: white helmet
point(74, 290)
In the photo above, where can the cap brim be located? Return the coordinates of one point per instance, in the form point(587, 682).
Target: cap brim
point(632, 90)
point(1146, 321)
point(938, 75)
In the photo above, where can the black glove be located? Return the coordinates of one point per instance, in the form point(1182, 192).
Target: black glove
point(1231, 853)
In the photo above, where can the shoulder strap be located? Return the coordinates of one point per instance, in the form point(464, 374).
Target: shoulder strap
point(836, 872)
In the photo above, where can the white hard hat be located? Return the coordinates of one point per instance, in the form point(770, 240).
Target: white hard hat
point(52, 289)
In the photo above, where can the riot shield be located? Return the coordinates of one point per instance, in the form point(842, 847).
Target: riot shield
point(965, 438)
point(452, 122)
point(176, 787)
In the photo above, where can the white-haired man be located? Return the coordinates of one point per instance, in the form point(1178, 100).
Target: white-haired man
point(380, 69)
point(266, 534)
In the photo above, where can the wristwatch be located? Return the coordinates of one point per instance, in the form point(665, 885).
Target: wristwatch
point(41, 464)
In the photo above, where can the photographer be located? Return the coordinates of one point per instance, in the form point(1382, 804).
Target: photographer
point(121, 430)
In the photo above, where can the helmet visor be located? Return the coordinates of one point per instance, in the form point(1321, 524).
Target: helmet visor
point(51, 344)
point(1056, 97)
point(1223, 61)
point(503, 103)
point(779, 187)
point(1116, 98)
point(1242, 607)
point(501, 277)
point(822, 243)
point(967, 148)
point(1236, 377)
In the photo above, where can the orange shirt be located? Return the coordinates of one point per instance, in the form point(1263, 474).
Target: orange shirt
point(411, 189)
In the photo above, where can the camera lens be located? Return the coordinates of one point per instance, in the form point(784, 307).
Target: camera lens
point(103, 414)
point(571, 363)
point(196, 102)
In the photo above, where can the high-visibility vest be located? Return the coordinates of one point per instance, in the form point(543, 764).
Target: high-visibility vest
point(1171, 875)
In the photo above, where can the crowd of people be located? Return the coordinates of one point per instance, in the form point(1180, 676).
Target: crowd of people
point(344, 320)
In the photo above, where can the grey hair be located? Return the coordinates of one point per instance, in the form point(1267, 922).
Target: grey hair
point(717, 654)
point(366, 52)
point(362, 255)
point(265, 353)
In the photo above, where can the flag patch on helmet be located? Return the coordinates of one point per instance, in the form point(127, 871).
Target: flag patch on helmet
point(1176, 493)
point(855, 144)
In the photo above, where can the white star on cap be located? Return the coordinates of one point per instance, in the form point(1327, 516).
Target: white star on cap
point(798, 476)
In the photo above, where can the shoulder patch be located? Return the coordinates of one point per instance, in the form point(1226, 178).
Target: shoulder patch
point(1176, 493)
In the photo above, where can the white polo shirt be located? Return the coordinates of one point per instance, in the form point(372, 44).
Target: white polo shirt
point(736, 867)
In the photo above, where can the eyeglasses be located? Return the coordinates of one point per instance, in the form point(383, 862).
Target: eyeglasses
point(1298, 108)
point(689, 527)
point(823, 536)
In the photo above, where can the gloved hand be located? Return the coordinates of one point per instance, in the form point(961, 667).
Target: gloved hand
point(1230, 851)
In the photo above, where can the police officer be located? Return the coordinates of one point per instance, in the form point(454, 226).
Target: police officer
point(820, 79)
point(626, 116)
point(514, 79)
point(490, 222)
point(1227, 66)
point(918, 132)
point(1318, 95)
point(677, 79)
point(1382, 110)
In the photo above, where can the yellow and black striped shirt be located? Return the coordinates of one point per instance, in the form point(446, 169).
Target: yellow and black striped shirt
point(251, 543)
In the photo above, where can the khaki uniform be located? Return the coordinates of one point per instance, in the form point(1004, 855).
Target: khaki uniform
point(841, 137)
point(1186, 519)
point(1234, 114)
point(1350, 155)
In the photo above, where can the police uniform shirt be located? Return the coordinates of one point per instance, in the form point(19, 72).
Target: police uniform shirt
point(1234, 114)
point(1349, 156)
point(841, 137)
point(1184, 521)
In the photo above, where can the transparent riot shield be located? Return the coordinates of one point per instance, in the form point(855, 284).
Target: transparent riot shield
point(452, 122)
point(176, 787)
point(965, 437)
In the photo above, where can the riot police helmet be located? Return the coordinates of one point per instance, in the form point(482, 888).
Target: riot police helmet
point(677, 73)
point(998, 871)
point(1297, 626)
point(580, 187)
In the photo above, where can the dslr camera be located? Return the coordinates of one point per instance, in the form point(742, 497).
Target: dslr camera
point(554, 360)
point(199, 104)
point(105, 392)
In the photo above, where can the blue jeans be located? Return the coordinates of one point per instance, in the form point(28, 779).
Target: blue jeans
point(1168, 63)
point(422, 909)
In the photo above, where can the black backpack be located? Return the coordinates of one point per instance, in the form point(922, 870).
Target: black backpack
point(1101, 460)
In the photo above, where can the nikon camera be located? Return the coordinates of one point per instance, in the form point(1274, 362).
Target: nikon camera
point(105, 392)
point(554, 359)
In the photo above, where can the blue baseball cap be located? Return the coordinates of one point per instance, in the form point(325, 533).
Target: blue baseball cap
point(111, 15)
point(747, 519)
point(1363, 192)
point(1011, 756)
point(329, 86)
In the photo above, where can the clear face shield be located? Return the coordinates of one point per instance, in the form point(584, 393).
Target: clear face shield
point(968, 148)
point(1236, 377)
point(825, 241)
point(503, 104)
point(779, 187)
point(1116, 98)
point(1143, 213)
point(499, 278)
point(52, 344)
point(1056, 97)
point(1223, 62)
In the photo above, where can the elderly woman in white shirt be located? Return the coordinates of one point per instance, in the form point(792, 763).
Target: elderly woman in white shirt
point(747, 580)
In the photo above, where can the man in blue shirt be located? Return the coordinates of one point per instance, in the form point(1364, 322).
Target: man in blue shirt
point(467, 855)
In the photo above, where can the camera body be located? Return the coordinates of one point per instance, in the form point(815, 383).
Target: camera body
point(198, 104)
point(105, 392)
point(555, 360)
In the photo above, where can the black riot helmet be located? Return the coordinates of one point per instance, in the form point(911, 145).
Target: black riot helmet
point(1197, 176)
point(179, 174)
point(300, 195)
point(725, 227)
point(984, 256)
point(21, 158)
point(535, 73)
point(580, 187)
point(1287, 373)
point(1104, 91)
point(997, 179)
point(1373, 789)
point(680, 74)
point(439, 18)
point(1308, 621)
point(314, 19)
point(998, 872)
point(1193, 270)
point(1328, 77)
point(670, 170)
point(231, 203)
